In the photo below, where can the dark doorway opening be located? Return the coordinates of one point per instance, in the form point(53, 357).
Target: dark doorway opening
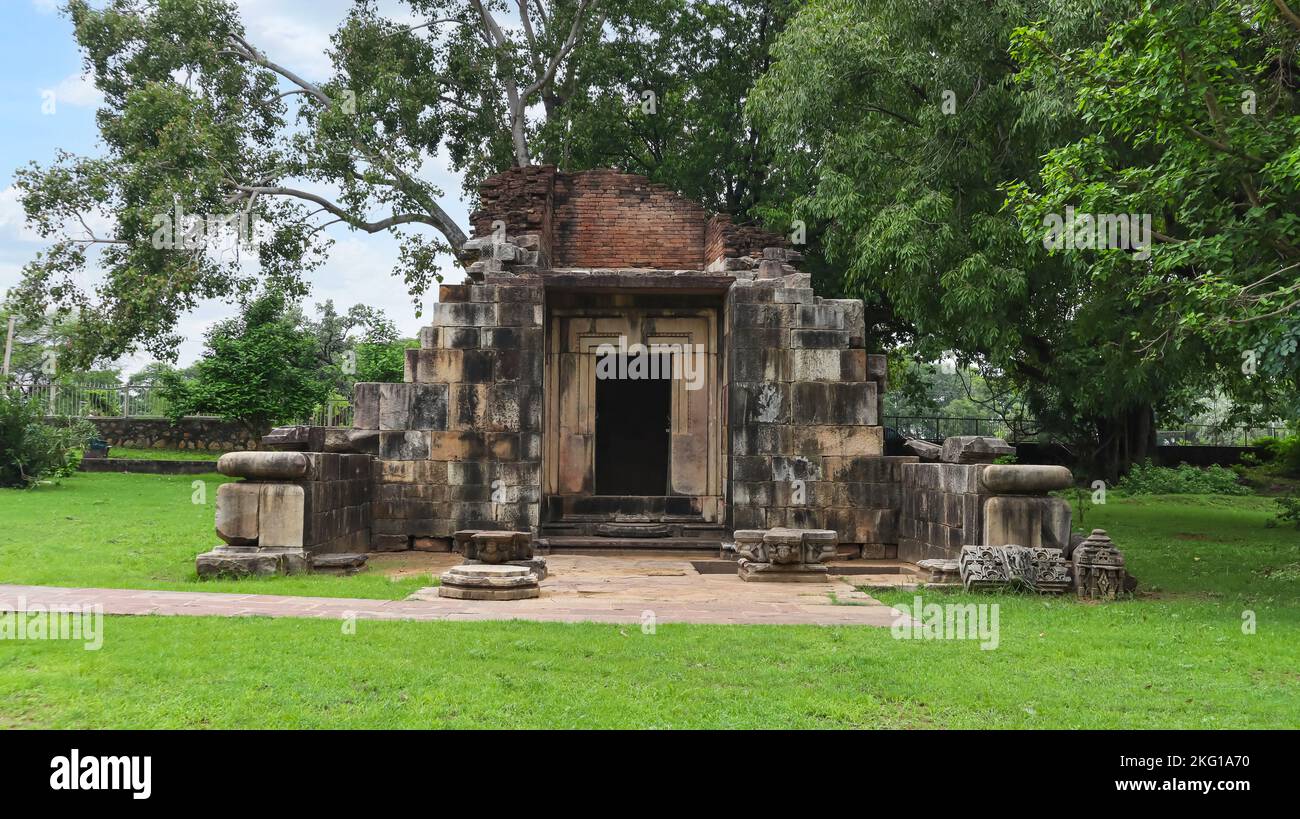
point(633, 417)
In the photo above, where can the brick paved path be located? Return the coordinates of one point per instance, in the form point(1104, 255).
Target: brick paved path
point(594, 589)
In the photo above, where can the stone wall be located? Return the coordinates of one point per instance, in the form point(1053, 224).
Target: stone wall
point(942, 510)
point(207, 434)
point(459, 444)
point(803, 414)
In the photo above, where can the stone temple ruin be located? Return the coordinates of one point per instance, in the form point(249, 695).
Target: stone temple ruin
point(623, 370)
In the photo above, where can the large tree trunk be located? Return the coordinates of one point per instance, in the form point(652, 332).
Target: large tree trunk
point(1123, 440)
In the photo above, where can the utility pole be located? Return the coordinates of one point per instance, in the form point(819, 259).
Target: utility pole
point(9, 345)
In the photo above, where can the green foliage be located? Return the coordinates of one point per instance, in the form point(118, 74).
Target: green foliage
point(1282, 454)
point(1147, 479)
point(1288, 511)
point(32, 449)
point(931, 156)
point(384, 362)
point(260, 369)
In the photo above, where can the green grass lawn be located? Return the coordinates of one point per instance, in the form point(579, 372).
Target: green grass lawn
point(140, 532)
point(1174, 657)
point(164, 454)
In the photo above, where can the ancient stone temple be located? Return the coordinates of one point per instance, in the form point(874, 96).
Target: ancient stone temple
point(623, 364)
point(622, 369)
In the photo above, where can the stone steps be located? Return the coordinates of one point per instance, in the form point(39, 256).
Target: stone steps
point(579, 545)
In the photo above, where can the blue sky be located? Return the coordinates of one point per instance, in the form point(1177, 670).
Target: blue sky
point(38, 54)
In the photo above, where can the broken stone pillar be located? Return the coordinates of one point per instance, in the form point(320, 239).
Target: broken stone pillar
point(292, 511)
point(260, 520)
point(1021, 512)
point(785, 555)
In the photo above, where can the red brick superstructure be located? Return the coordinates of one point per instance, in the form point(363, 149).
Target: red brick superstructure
point(604, 218)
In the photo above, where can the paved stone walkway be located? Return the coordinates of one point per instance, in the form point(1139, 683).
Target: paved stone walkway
point(579, 589)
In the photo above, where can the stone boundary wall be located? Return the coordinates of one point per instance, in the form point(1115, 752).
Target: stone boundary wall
point(942, 509)
point(148, 467)
point(204, 434)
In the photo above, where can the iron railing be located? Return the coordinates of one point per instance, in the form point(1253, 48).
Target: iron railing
point(146, 401)
point(935, 428)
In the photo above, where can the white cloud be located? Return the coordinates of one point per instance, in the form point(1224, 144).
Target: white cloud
point(46, 6)
point(75, 89)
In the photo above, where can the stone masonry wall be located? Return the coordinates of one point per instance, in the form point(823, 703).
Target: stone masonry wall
point(203, 434)
point(459, 444)
point(803, 405)
point(942, 510)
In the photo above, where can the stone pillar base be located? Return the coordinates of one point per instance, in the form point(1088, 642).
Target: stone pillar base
point(782, 572)
point(485, 581)
point(250, 561)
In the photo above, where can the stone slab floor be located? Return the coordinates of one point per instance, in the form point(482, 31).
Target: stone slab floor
point(597, 588)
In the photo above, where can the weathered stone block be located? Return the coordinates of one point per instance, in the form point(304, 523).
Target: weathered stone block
point(237, 513)
point(280, 516)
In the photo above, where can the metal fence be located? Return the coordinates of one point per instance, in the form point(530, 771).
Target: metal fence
point(99, 400)
point(146, 401)
point(937, 427)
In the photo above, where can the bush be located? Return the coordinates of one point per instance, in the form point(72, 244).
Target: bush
point(1147, 479)
point(1288, 456)
point(32, 450)
point(1268, 448)
point(1289, 511)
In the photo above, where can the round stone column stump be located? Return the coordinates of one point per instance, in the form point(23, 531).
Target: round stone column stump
point(487, 581)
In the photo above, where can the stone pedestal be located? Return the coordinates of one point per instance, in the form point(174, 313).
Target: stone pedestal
point(486, 581)
point(498, 566)
point(785, 555)
point(250, 561)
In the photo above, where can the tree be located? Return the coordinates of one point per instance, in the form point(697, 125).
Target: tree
point(909, 123)
point(215, 151)
point(218, 154)
point(260, 369)
point(1194, 115)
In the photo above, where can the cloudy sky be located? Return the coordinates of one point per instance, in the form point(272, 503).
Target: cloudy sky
point(38, 54)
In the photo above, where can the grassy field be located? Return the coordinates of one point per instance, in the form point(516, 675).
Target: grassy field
point(140, 532)
point(164, 454)
point(1174, 657)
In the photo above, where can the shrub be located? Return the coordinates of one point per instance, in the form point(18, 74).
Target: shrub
point(1289, 511)
point(1268, 448)
point(31, 449)
point(1147, 479)
point(1288, 456)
